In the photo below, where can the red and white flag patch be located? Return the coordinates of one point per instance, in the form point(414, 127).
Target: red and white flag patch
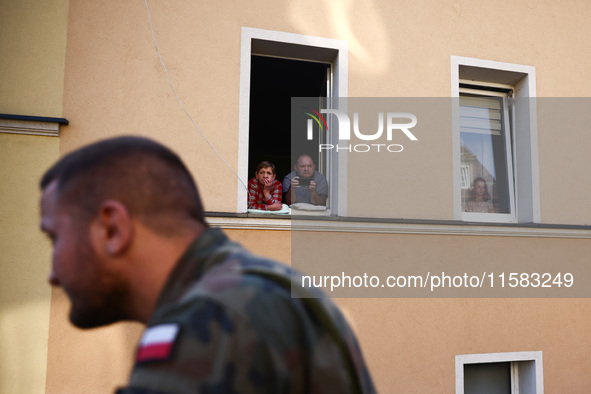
point(157, 343)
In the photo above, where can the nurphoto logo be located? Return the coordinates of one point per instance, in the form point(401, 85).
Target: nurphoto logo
point(394, 122)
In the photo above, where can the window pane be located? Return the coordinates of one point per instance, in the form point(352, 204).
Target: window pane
point(273, 82)
point(487, 378)
point(485, 180)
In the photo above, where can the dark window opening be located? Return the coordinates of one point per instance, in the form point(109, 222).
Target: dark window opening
point(487, 378)
point(273, 82)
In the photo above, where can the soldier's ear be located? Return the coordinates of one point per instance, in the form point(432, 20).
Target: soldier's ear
point(112, 228)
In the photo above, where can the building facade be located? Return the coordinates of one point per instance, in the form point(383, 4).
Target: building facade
point(208, 79)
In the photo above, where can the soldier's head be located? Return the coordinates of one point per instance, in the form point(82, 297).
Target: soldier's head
point(91, 199)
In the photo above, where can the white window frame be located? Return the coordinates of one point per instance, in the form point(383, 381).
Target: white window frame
point(481, 90)
point(527, 370)
point(525, 148)
point(272, 43)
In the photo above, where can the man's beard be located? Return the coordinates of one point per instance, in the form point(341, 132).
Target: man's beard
point(106, 299)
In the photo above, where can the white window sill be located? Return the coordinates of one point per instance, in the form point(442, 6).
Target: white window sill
point(370, 225)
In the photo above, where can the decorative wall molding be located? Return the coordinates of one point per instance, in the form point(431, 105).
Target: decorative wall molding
point(31, 125)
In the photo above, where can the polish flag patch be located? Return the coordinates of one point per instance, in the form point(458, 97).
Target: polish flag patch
point(157, 343)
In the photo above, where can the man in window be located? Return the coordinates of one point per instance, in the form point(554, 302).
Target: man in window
point(264, 192)
point(305, 184)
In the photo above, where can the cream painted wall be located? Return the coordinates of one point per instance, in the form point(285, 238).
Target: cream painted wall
point(24, 262)
point(32, 44)
point(115, 83)
point(410, 343)
point(273, 244)
point(33, 47)
point(91, 361)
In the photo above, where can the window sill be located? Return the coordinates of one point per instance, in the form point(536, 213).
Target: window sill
point(245, 221)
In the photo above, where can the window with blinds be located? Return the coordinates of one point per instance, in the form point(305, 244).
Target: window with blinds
point(486, 152)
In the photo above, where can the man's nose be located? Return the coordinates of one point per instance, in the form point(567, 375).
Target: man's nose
point(53, 280)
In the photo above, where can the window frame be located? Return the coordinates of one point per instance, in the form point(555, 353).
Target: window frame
point(525, 137)
point(301, 47)
point(505, 92)
point(527, 370)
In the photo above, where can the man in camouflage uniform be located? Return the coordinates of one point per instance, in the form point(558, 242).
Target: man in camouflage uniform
point(130, 242)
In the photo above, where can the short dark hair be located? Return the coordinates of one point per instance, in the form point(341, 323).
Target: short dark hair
point(265, 164)
point(147, 177)
point(297, 158)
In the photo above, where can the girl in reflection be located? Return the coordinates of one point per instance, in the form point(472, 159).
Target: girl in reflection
point(480, 201)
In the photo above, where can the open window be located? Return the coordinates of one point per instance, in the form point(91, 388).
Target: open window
point(274, 81)
point(275, 67)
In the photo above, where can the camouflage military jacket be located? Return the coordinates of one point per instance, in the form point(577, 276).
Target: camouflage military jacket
point(226, 322)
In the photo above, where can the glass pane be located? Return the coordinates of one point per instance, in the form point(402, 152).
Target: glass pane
point(484, 177)
point(487, 378)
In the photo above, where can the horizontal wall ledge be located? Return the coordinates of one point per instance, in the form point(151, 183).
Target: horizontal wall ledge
point(244, 221)
point(31, 125)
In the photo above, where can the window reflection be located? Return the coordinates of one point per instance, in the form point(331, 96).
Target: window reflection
point(484, 154)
